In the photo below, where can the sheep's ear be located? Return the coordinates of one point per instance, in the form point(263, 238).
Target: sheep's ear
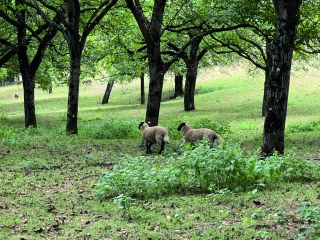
point(181, 126)
point(140, 124)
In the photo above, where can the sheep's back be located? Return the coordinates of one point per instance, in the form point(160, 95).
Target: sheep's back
point(194, 135)
point(154, 134)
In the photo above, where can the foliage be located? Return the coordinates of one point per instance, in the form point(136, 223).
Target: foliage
point(33, 164)
point(311, 215)
point(113, 129)
point(16, 136)
point(304, 127)
point(205, 169)
point(221, 128)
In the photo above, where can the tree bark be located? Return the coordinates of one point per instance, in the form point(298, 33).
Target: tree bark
point(75, 51)
point(267, 77)
point(156, 69)
point(50, 88)
point(142, 91)
point(287, 12)
point(178, 86)
point(191, 78)
point(192, 63)
point(28, 78)
point(73, 94)
point(107, 93)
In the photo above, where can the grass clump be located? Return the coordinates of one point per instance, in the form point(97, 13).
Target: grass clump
point(32, 164)
point(204, 169)
point(304, 127)
point(17, 137)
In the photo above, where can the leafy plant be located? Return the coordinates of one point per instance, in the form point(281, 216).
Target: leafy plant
point(202, 168)
point(124, 202)
point(311, 215)
point(33, 164)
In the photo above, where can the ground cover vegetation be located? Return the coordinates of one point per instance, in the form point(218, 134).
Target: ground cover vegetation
point(99, 184)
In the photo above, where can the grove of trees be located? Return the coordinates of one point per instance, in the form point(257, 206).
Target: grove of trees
point(131, 38)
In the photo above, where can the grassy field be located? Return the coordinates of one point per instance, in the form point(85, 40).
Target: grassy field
point(48, 185)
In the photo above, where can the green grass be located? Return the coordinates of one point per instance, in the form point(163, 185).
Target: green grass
point(48, 185)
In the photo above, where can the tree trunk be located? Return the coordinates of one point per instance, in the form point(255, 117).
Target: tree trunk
point(25, 70)
point(178, 86)
point(267, 76)
point(75, 51)
point(107, 93)
point(155, 90)
point(29, 105)
point(192, 63)
point(142, 91)
point(191, 78)
point(73, 94)
point(50, 88)
point(287, 12)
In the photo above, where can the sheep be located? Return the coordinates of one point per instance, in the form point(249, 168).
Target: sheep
point(193, 135)
point(16, 95)
point(151, 135)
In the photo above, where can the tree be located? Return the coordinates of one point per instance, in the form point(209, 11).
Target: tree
point(287, 16)
point(254, 44)
point(107, 93)
point(25, 34)
point(77, 17)
point(152, 31)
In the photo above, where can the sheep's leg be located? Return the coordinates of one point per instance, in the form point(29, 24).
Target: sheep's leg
point(149, 144)
point(162, 148)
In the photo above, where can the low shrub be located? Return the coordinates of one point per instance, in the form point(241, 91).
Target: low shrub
point(202, 169)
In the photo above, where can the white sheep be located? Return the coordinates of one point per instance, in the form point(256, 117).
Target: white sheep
point(193, 135)
point(151, 135)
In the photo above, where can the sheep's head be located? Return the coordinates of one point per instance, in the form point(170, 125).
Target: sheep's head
point(140, 125)
point(182, 125)
point(143, 125)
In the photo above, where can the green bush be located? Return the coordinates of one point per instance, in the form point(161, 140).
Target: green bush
point(204, 169)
